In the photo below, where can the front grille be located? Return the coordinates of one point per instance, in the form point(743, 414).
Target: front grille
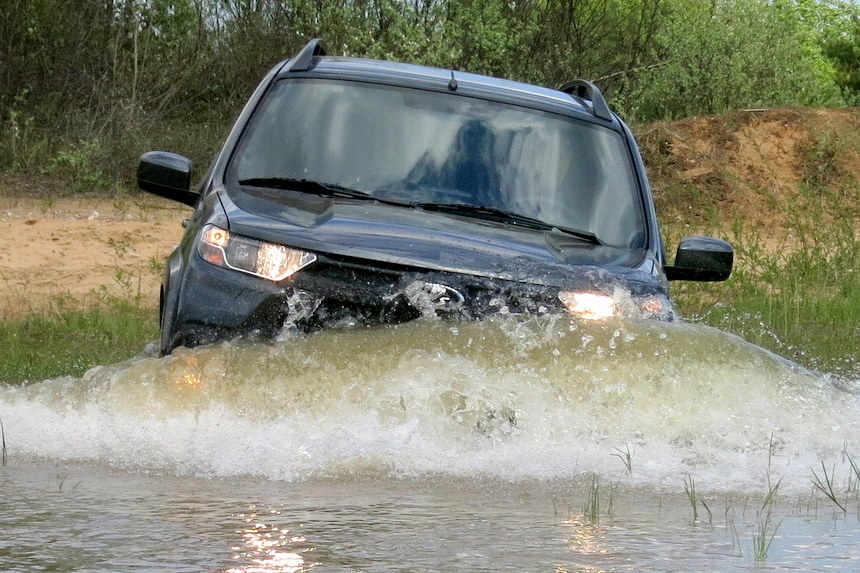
point(352, 291)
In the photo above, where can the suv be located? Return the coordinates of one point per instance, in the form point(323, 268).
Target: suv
point(354, 191)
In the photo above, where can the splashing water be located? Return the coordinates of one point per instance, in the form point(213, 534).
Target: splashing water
point(509, 398)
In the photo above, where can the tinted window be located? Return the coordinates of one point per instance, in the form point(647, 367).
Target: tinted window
point(419, 146)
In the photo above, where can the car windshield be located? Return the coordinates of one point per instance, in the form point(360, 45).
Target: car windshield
point(418, 147)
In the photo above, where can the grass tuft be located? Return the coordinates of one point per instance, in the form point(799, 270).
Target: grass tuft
point(765, 531)
point(3, 440)
point(625, 456)
point(692, 496)
point(736, 538)
point(695, 499)
point(764, 535)
point(825, 485)
point(854, 468)
point(598, 501)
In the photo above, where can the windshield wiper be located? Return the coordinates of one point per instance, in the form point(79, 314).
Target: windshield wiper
point(502, 216)
point(315, 188)
point(465, 209)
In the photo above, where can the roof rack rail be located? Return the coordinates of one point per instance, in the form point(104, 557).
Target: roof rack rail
point(588, 91)
point(304, 60)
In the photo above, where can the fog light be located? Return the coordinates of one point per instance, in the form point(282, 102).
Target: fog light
point(588, 305)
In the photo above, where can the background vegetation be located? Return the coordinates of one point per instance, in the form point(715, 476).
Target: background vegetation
point(86, 85)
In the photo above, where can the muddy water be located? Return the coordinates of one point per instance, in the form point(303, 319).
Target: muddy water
point(434, 446)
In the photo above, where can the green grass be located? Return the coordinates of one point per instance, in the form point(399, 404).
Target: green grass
point(695, 499)
point(818, 334)
point(40, 346)
point(765, 529)
point(801, 301)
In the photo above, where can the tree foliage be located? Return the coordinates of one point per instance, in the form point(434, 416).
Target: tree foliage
point(116, 70)
point(842, 48)
point(716, 55)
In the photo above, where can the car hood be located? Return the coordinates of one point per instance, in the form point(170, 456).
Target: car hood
point(422, 240)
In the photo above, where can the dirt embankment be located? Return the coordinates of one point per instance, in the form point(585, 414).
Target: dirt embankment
point(769, 169)
point(78, 250)
point(762, 167)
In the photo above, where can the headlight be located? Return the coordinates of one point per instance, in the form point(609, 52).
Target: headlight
point(265, 260)
point(588, 305)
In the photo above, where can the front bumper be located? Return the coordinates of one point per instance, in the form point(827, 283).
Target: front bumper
point(217, 303)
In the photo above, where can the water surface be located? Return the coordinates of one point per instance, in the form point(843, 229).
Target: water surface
point(435, 446)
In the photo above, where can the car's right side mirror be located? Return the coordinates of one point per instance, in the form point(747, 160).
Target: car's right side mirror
point(701, 259)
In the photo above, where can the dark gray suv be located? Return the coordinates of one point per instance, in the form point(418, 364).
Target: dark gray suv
point(356, 191)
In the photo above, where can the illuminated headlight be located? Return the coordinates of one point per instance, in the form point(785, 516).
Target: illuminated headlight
point(588, 305)
point(265, 260)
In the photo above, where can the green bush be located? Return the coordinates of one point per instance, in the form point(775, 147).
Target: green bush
point(78, 164)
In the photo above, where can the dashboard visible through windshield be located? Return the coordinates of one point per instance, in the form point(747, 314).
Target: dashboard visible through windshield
point(414, 146)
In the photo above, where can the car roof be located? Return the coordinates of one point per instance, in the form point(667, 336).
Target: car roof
point(437, 79)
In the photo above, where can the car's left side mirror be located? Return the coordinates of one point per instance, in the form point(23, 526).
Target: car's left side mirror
point(701, 259)
point(167, 175)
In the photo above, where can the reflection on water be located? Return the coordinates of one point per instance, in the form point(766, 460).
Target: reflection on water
point(434, 446)
point(268, 548)
point(118, 521)
point(584, 539)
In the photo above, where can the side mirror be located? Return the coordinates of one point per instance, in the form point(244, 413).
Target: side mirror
point(701, 259)
point(167, 175)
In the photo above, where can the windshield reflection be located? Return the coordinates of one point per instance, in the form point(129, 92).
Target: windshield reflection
point(412, 146)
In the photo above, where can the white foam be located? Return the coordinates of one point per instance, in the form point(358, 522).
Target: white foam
point(540, 398)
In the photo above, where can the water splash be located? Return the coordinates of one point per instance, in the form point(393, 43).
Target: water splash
point(512, 398)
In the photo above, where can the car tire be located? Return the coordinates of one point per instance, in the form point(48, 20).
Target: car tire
point(167, 315)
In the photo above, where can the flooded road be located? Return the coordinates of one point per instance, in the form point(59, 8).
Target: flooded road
point(537, 444)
